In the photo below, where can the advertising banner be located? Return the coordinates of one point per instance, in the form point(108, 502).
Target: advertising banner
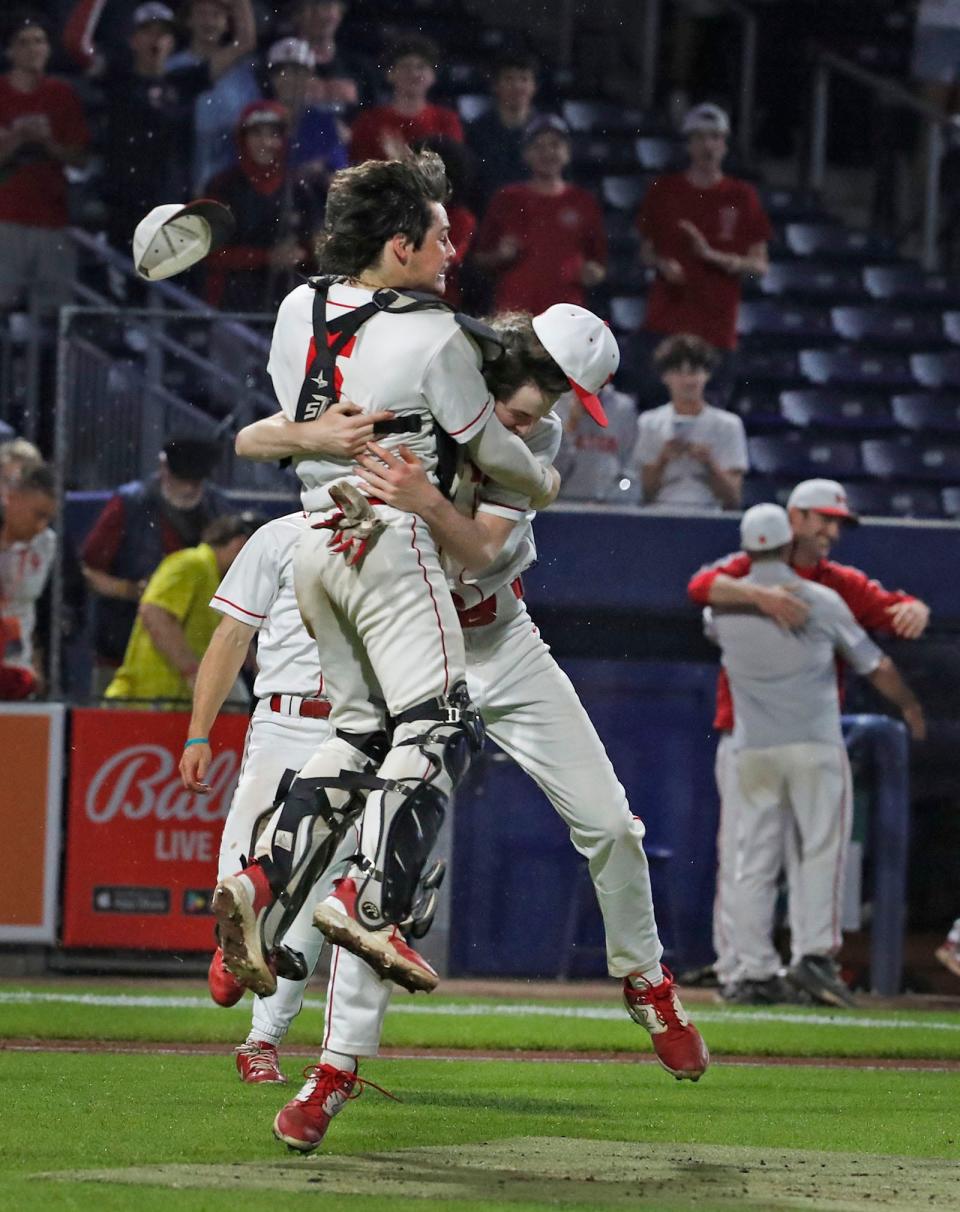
point(31, 744)
point(142, 851)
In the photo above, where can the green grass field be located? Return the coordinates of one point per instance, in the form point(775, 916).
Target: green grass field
point(161, 1129)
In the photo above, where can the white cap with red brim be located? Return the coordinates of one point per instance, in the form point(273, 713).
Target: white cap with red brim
point(765, 528)
point(173, 237)
point(584, 348)
point(822, 496)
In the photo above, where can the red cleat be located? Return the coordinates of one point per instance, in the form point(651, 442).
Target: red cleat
point(303, 1122)
point(224, 987)
point(386, 950)
point(258, 1062)
point(678, 1044)
point(238, 928)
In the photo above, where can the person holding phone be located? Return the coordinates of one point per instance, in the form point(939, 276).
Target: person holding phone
point(690, 454)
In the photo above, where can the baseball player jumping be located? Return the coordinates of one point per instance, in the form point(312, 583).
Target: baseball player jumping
point(529, 706)
point(788, 778)
point(818, 511)
point(391, 646)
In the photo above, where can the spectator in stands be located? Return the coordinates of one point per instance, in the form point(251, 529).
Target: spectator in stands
point(383, 131)
point(222, 36)
point(16, 455)
point(463, 222)
point(544, 239)
point(174, 620)
point(496, 137)
point(342, 78)
point(277, 217)
point(27, 549)
point(42, 132)
point(702, 232)
point(317, 148)
point(144, 521)
point(148, 151)
point(594, 463)
point(690, 454)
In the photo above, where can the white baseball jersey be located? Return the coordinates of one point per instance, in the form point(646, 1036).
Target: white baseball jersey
point(685, 482)
point(24, 568)
point(258, 590)
point(477, 494)
point(418, 364)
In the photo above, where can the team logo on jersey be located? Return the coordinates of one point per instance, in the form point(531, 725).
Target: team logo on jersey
point(569, 217)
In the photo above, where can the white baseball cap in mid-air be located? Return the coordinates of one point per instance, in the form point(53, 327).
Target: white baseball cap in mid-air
point(294, 51)
point(173, 237)
point(823, 496)
point(706, 117)
point(765, 528)
point(584, 348)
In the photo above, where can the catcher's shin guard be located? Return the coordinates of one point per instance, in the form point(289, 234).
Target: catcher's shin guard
point(314, 817)
point(403, 817)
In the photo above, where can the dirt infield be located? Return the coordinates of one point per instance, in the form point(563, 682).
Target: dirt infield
point(165, 1048)
point(562, 1172)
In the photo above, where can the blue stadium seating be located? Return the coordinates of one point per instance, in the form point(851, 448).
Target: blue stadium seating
point(910, 284)
point(836, 242)
point(886, 500)
point(759, 409)
point(759, 490)
point(808, 280)
point(766, 364)
point(904, 459)
point(950, 498)
point(887, 326)
point(624, 192)
point(837, 408)
point(601, 116)
point(936, 369)
point(659, 154)
point(627, 312)
point(791, 205)
point(472, 105)
point(803, 323)
point(799, 457)
point(855, 366)
point(951, 326)
point(927, 412)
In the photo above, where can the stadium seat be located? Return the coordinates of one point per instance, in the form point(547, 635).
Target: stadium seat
point(865, 369)
point(897, 501)
point(759, 410)
point(936, 369)
point(805, 280)
point(835, 408)
point(900, 459)
point(760, 490)
point(886, 326)
point(471, 106)
point(951, 502)
point(910, 284)
point(624, 193)
point(951, 326)
point(601, 116)
point(627, 312)
point(766, 364)
point(792, 455)
point(836, 243)
point(791, 205)
point(927, 412)
point(594, 155)
point(762, 318)
point(658, 154)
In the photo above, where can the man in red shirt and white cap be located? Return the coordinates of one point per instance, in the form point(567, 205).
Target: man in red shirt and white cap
point(818, 511)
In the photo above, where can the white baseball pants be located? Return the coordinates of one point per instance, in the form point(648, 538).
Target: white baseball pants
point(792, 800)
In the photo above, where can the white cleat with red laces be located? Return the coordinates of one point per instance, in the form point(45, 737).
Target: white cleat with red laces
point(386, 950)
point(678, 1044)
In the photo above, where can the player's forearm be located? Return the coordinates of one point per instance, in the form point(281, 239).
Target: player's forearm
point(726, 486)
point(731, 591)
point(468, 541)
point(887, 680)
point(219, 670)
point(109, 586)
point(651, 478)
point(506, 459)
point(754, 263)
point(169, 639)
point(271, 439)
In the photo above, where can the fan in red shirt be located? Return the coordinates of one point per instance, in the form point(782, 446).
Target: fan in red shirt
point(42, 130)
point(702, 232)
point(543, 238)
point(818, 510)
point(382, 132)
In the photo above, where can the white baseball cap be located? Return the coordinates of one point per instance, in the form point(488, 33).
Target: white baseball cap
point(291, 50)
point(823, 496)
point(706, 117)
point(144, 14)
point(584, 348)
point(173, 237)
point(765, 528)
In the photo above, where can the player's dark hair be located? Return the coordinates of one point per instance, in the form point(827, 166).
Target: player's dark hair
point(23, 18)
point(458, 164)
point(414, 44)
point(524, 360)
point(684, 349)
point(230, 526)
point(369, 204)
point(37, 477)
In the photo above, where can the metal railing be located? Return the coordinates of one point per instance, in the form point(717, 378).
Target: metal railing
point(827, 65)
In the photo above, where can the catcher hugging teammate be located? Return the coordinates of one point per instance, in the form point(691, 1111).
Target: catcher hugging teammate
point(413, 649)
